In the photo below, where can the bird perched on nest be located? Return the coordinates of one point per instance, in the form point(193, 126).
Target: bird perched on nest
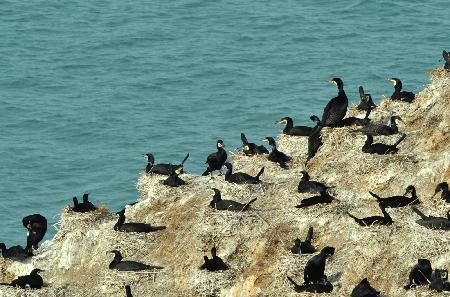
point(219, 204)
point(216, 160)
point(315, 267)
point(399, 94)
point(420, 274)
point(292, 130)
point(306, 185)
point(241, 177)
point(32, 280)
point(398, 201)
point(314, 139)
point(366, 103)
point(304, 247)
point(120, 265)
point(215, 263)
point(364, 289)
point(16, 251)
point(323, 198)
point(134, 227)
point(163, 168)
point(380, 148)
point(336, 108)
point(174, 180)
point(445, 192)
point(374, 220)
point(250, 149)
point(430, 222)
point(381, 129)
point(85, 206)
point(275, 155)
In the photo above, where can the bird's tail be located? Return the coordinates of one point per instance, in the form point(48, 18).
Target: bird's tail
point(244, 139)
point(309, 235)
point(292, 282)
point(361, 93)
point(158, 228)
point(283, 165)
point(376, 196)
point(185, 158)
point(417, 211)
point(248, 204)
point(207, 171)
point(400, 140)
point(155, 267)
point(259, 173)
point(5, 284)
point(353, 217)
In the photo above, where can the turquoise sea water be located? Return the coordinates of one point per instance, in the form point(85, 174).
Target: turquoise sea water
point(87, 88)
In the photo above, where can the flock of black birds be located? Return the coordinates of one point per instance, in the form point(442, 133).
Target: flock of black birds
point(314, 276)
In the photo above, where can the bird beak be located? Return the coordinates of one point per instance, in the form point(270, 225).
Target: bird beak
point(332, 81)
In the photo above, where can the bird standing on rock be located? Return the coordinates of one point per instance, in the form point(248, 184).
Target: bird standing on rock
point(399, 94)
point(336, 108)
point(275, 155)
point(32, 280)
point(216, 160)
point(215, 263)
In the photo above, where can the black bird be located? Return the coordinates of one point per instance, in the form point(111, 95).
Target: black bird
point(354, 121)
point(366, 101)
point(445, 192)
point(420, 274)
point(240, 177)
point(87, 205)
point(120, 265)
point(290, 129)
point(275, 155)
point(381, 129)
point(399, 94)
point(250, 149)
point(322, 287)
point(215, 160)
point(315, 267)
point(439, 280)
point(380, 148)
point(16, 251)
point(36, 225)
point(219, 204)
point(163, 168)
point(304, 247)
point(431, 222)
point(336, 109)
point(128, 291)
point(398, 201)
point(446, 57)
point(215, 263)
point(364, 289)
point(32, 280)
point(134, 227)
point(308, 186)
point(315, 138)
point(174, 180)
point(374, 220)
point(82, 207)
point(323, 198)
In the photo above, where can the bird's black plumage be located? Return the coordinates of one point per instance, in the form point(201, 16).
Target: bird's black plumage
point(354, 121)
point(380, 148)
point(304, 247)
point(336, 108)
point(321, 287)
point(250, 149)
point(314, 139)
point(15, 252)
point(219, 204)
point(173, 180)
point(381, 129)
point(85, 206)
point(366, 101)
point(322, 198)
point(398, 201)
point(374, 220)
point(364, 289)
point(431, 222)
point(439, 280)
point(163, 168)
point(216, 160)
point(399, 94)
point(420, 274)
point(134, 227)
point(446, 56)
point(32, 280)
point(275, 155)
point(36, 225)
point(215, 263)
point(292, 130)
point(120, 265)
point(241, 177)
point(445, 191)
point(128, 291)
point(315, 267)
point(308, 186)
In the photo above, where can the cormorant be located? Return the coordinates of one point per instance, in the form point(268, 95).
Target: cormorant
point(315, 267)
point(290, 129)
point(16, 251)
point(304, 247)
point(354, 121)
point(374, 220)
point(174, 180)
point(134, 227)
point(163, 168)
point(275, 155)
point(120, 265)
point(32, 280)
point(250, 149)
point(36, 225)
point(308, 186)
point(380, 148)
point(215, 160)
point(322, 287)
point(215, 263)
point(431, 222)
point(381, 129)
point(364, 289)
point(128, 291)
point(314, 139)
point(219, 204)
point(445, 192)
point(366, 101)
point(446, 57)
point(87, 205)
point(336, 109)
point(439, 280)
point(82, 207)
point(240, 177)
point(399, 94)
point(323, 198)
point(398, 201)
point(420, 274)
